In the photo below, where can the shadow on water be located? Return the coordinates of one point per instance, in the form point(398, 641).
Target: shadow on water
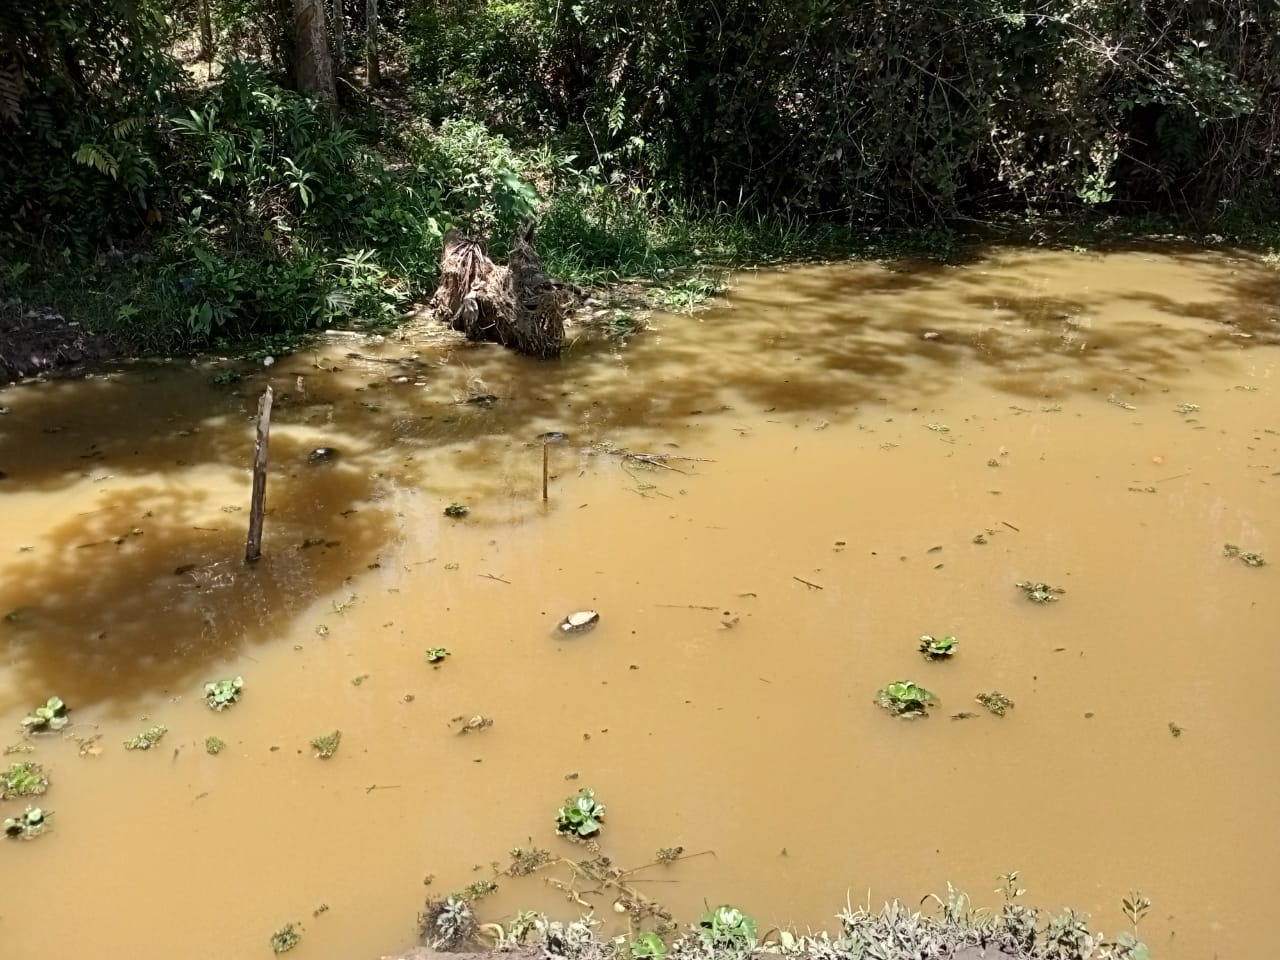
point(148, 591)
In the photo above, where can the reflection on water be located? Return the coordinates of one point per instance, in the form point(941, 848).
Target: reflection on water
point(855, 455)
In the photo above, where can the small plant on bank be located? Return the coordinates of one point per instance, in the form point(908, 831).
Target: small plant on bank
point(456, 511)
point(446, 924)
point(938, 648)
point(286, 938)
point(436, 655)
point(326, 746)
point(648, 946)
point(214, 745)
point(220, 694)
point(580, 816)
point(27, 825)
point(147, 739)
point(23, 779)
point(51, 716)
point(1039, 592)
point(995, 701)
point(905, 699)
point(727, 928)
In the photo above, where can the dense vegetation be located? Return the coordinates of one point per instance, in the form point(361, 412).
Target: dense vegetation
point(185, 172)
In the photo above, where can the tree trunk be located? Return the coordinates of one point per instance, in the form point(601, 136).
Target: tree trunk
point(518, 305)
point(314, 66)
point(206, 32)
point(339, 38)
point(372, 68)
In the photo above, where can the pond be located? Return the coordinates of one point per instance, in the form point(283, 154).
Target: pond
point(768, 503)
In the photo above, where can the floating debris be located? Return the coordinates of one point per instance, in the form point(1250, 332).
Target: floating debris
point(147, 739)
point(1175, 729)
point(436, 655)
point(995, 701)
point(1039, 592)
point(478, 722)
point(580, 622)
point(214, 746)
point(1231, 551)
point(322, 455)
point(456, 510)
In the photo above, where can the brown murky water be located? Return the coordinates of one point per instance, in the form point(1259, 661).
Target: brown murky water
point(722, 704)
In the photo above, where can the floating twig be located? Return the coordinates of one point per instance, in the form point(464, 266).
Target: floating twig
point(490, 576)
point(1010, 526)
point(809, 583)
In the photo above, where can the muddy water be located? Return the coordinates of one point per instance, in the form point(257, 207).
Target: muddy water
point(723, 704)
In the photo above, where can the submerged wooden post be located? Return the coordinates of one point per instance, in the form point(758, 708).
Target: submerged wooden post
point(253, 547)
point(544, 470)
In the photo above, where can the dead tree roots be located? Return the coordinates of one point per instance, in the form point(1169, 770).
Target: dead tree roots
point(516, 305)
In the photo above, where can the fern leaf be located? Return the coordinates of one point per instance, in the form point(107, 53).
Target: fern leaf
point(99, 158)
point(12, 90)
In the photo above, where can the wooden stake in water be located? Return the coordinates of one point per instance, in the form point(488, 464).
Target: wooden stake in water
point(544, 470)
point(258, 504)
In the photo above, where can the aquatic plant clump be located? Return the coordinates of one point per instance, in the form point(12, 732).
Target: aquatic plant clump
point(27, 825)
point(147, 739)
point(52, 715)
point(23, 779)
point(580, 816)
point(905, 699)
point(220, 694)
point(938, 648)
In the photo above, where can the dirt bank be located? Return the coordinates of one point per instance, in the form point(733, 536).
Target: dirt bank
point(33, 343)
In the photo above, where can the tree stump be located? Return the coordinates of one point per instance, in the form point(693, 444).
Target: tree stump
point(516, 305)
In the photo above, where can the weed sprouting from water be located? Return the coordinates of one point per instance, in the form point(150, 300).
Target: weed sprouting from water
point(213, 746)
point(326, 746)
point(446, 924)
point(728, 930)
point(436, 655)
